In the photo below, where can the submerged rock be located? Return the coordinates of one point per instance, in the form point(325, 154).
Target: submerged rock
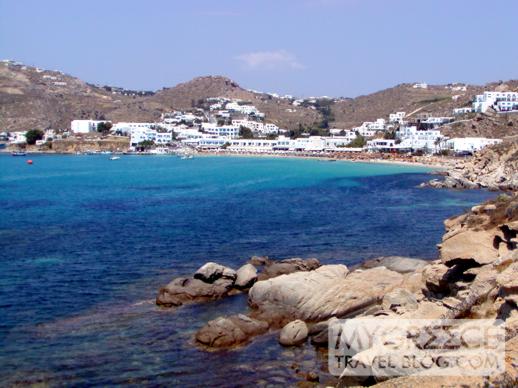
point(224, 332)
point(294, 333)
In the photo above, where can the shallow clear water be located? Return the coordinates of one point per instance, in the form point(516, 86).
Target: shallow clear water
point(86, 242)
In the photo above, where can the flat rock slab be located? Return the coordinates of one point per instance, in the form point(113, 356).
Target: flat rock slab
point(320, 294)
point(287, 266)
point(184, 290)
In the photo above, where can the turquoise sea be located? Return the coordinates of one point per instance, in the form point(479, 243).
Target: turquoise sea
point(86, 242)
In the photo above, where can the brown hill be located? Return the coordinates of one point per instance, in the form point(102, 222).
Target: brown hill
point(34, 98)
point(279, 111)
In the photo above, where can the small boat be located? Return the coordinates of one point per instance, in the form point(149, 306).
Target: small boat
point(18, 153)
point(115, 158)
point(187, 157)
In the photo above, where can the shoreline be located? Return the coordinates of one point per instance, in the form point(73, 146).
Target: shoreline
point(435, 163)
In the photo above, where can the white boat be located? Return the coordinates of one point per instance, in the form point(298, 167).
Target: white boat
point(115, 158)
point(187, 157)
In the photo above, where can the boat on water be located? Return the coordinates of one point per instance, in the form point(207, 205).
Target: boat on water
point(187, 157)
point(18, 153)
point(115, 158)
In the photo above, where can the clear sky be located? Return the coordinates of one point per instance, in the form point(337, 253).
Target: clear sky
point(304, 47)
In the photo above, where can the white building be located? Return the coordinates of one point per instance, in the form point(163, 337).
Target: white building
point(420, 85)
point(461, 111)
point(382, 145)
point(500, 101)
point(18, 137)
point(470, 144)
point(85, 126)
point(413, 139)
point(257, 127)
point(397, 117)
point(127, 128)
point(436, 121)
point(228, 131)
point(138, 135)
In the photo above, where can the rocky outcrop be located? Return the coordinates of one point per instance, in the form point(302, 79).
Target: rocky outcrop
point(464, 283)
point(481, 235)
point(494, 168)
point(210, 272)
point(214, 281)
point(320, 294)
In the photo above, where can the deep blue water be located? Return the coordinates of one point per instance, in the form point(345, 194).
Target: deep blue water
point(86, 242)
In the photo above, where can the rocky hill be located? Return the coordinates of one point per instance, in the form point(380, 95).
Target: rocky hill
point(495, 168)
point(35, 98)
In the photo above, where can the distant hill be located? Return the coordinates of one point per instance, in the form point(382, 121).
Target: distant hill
point(35, 98)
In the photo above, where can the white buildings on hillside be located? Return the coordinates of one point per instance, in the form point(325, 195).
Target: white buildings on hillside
point(382, 145)
point(470, 144)
point(127, 128)
point(236, 107)
point(420, 85)
point(413, 139)
point(138, 135)
point(257, 126)
point(227, 131)
point(397, 117)
point(437, 121)
point(85, 126)
point(500, 101)
point(461, 111)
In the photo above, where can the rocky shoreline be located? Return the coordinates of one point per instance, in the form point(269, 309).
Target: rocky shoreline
point(300, 299)
point(494, 168)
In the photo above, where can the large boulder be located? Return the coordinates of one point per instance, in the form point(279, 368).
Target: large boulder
point(224, 332)
point(320, 294)
point(246, 276)
point(210, 272)
point(507, 280)
point(294, 333)
point(470, 245)
point(184, 290)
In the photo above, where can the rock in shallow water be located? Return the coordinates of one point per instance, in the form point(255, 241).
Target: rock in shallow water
point(183, 290)
point(224, 332)
point(294, 333)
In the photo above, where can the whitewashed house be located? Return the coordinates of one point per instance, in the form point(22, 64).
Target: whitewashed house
point(85, 126)
point(470, 144)
point(500, 101)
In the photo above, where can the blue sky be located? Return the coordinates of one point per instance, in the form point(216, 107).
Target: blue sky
point(305, 47)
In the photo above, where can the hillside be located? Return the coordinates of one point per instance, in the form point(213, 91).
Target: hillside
point(35, 98)
point(32, 98)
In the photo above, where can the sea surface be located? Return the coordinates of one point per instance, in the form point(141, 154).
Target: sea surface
point(85, 243)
